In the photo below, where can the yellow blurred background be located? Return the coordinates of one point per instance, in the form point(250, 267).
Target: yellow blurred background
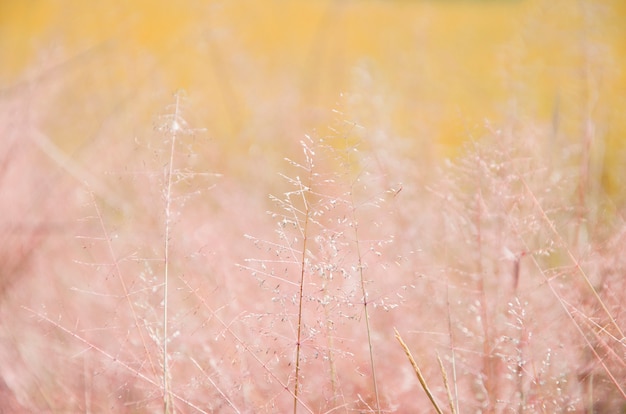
point(260, 73)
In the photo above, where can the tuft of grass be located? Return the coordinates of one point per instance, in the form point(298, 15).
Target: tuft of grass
point(320, 241)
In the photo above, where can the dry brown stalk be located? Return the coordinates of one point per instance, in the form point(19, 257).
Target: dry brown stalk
point(444, 374)
point(418, 372)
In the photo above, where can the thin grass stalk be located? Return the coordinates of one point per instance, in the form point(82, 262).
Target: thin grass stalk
point(455, 402)
point(488, 373)
point(446, 384)
point(418, 372)
point(331, 359)
point(367, 318)
point(364, 294)
point(303, 191)
point(219, 390)
point(166, 256)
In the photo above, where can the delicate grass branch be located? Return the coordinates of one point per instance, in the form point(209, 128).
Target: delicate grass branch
point(303, 191)
point(114, 359)
point(227, 328)
point(118, 272)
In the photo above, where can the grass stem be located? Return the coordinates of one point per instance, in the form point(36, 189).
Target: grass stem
point(418, 372)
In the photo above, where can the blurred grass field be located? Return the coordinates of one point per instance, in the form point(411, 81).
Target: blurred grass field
point(428, 71)
point(480, 143)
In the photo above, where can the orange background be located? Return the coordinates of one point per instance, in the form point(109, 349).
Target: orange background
point(259, 73)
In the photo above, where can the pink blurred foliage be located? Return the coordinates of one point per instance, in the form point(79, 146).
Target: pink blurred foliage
point(472, 262)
